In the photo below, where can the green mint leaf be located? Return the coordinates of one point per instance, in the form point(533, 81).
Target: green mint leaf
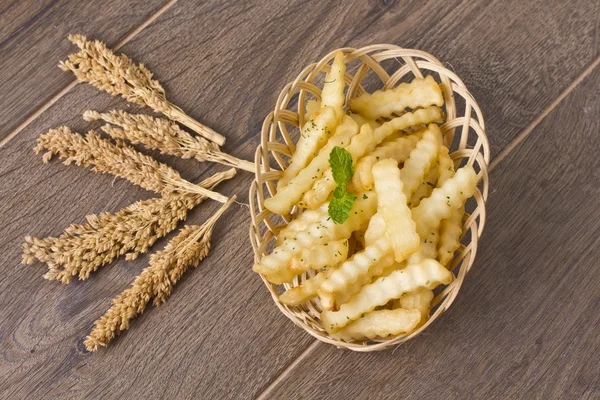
point(339, 192)
point(340, 207)
point(342, 169)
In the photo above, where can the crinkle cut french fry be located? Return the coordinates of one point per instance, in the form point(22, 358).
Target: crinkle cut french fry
point(452, 194)
point(419, 117)
point(428, 274)
point(450, 231)
point(418, 300)
point(355, 272)
point(421, 160)
point(425, 188)
point(291, 194)
point(313, 136)
point(323, 187)
point(383, 103)
point(306, 290)
point(398, 149)
point(375, 230)
point(391, 203)
point(376, 270)
point(361, 121)
point(332, 94)
point(301, 223)
point(322, 255)
point(396, 266)
point(348, 284)
point(274, 266)
point(380, 324)
point(312, 107)
point(427, 249)
point(445, 166)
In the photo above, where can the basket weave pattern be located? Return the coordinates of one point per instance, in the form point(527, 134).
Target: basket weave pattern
point(470, 147)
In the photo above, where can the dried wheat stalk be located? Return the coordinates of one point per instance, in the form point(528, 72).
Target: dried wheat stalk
point(165, 136)
point(82, 249)
point(118, 159)
point(120, 76)
point(166, 267)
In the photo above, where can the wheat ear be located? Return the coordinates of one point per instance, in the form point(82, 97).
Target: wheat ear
point(165, 136)
point(120, 76)
point(118, 159)
point(131, 231)
point(166, 267)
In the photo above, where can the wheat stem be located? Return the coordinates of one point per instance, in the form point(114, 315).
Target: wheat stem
point(120, 76)
point(118, 159)
point(131, 231)
point(156, 281)
point(165, 136)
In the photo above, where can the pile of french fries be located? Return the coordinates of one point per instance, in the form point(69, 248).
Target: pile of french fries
point(373, 273)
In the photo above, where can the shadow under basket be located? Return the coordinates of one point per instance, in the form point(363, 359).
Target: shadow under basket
point(369, 68)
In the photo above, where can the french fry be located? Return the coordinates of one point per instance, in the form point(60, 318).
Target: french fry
point(380, 324)
point(292, 193)
point(301, 223)
point(332, 94)
point(375, 229)
point(313, 136)
point(417, 118)
point(361, 121)
point(436, 177)
point(431, 242)
point(352, 275)
point(274, 266)
point(391, 203)
point(358, 270)
point(426, 274)
point(445, 166)
point(450, 231)
point(396, 266)
point(322, 255)
point(425, 188)
point(312, 107)
point(306, 290)
point(420, 161)
point(451, 227)
point(323, 187)
point(375, 271)
point(428, 247)
point(363, 178)
point(418, 300)
point(383, 103)
point(398, 149)
point(355, 272)
point(452, 194)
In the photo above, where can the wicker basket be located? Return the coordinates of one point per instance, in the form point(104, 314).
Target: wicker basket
point(369, 67)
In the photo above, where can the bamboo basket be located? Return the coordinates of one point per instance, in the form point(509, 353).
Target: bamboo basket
point(377, 66)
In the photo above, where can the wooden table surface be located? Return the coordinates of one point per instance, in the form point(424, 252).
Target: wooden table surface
point(526, 323)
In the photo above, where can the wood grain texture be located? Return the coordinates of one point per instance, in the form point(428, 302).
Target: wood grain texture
point(200, 341)
point(525, 324)
point(225, 63)
point(33, 39)
point(515, 57)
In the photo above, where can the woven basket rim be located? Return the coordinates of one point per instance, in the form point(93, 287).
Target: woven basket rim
point(275, 142)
